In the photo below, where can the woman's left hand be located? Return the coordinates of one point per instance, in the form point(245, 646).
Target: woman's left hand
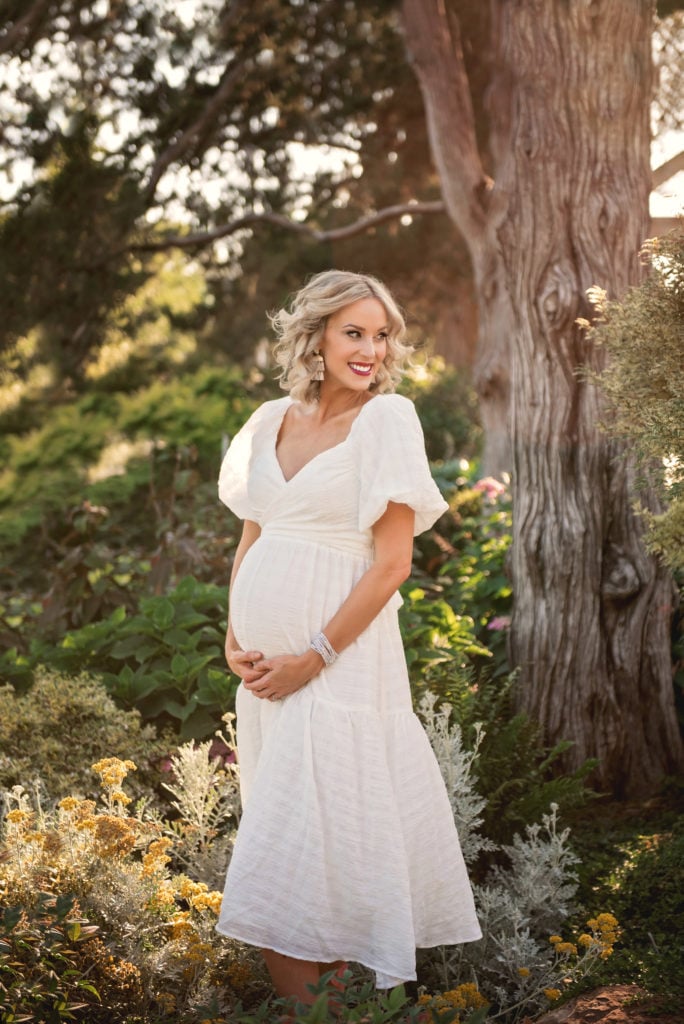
point(284, 674)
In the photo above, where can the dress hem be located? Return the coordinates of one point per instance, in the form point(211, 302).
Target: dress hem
point(331, 957)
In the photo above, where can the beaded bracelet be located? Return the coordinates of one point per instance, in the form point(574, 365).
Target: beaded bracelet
point(321, 645)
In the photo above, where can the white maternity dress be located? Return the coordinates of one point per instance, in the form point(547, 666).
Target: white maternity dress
point(347, 847)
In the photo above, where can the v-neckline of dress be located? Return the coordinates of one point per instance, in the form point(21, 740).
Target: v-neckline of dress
point(332, 448)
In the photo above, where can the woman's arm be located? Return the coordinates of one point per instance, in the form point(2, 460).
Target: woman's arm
point(393, 541)
point(242, 662)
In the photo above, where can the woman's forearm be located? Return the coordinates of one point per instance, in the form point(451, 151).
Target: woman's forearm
point(366, 600)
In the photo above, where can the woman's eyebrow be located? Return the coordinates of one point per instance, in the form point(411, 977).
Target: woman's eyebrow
point(357, 328)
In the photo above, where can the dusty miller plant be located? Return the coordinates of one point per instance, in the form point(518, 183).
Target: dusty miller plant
point(206, 795)
point(520, 963)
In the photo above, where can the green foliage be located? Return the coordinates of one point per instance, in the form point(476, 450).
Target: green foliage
point(117, 482)
point(635, 865)
point(447, 406)
point(61, 726)
point(166, 660)
point(436, 639)
point(42, 976)
point(644, 382)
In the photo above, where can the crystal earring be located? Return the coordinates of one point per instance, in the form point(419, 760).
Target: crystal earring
point(319, 367)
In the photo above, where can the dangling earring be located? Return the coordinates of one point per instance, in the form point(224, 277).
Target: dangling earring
point(319, 367)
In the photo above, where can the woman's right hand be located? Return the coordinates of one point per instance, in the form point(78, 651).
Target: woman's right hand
point(244, 664)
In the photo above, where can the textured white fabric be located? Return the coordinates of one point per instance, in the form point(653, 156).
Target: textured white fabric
point(347, 847)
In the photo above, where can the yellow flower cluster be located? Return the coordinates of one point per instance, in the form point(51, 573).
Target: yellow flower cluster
point(114, 837)
point(156, 858)
point(552, 994)
point(21, 819)
point(238, 974)
point(524, 972)
point(112, 771)
point(465, 997)
point(113, 974)
point(198, 896)
point(606, 932)
point(563, 948)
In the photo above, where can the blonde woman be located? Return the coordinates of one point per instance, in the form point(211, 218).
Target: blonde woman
point(347, 848)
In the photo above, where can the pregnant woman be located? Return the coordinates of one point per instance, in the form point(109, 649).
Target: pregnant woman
point(347, 848)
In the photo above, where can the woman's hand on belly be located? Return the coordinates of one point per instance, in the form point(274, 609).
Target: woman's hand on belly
point(248, 665)
point(284, 674)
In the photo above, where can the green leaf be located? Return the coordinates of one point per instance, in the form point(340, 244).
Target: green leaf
point(179, 666)
point(163, 613)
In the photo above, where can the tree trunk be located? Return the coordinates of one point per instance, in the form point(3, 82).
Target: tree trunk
point(569, 107)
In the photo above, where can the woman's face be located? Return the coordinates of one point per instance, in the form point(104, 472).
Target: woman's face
point(354, 344)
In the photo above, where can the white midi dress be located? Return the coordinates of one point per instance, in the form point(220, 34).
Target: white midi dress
point(347, 848)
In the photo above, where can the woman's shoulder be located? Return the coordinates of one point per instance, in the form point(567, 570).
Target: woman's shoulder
point(267, 411)
point(391, 401)
point(391, 406)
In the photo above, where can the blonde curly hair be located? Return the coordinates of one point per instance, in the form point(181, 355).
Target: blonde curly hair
point(300, 330)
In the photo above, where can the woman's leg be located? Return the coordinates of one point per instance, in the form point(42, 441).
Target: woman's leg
point(290, 976)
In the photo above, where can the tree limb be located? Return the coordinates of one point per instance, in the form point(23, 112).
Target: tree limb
point(203, 238)
point(667, 170)
point(231, 75)
point(434, 46)
point(16, 36)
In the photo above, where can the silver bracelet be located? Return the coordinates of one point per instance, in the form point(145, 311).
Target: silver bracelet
point(321, 645)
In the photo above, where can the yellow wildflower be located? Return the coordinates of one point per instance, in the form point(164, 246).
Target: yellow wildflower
point(555, 938)
point(593, 924)
point(566, 947)
point(524, 972)
point(112, 770)
point(18, 817)
point(552, 994)
point(155, 860)
point(115, 837)
point(69, 803)
point(586, 940)
point(119, 797)
point(34, 837)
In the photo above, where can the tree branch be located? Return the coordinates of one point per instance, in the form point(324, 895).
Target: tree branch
point(232, 73)
point(203, 238)
point(16, 36)
point(434, 45)
point(667, 170)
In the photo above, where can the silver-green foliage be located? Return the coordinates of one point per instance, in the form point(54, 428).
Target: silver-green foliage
point(643, 336)
point(520, 904)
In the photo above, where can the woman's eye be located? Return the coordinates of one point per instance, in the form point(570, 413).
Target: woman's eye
point(353, 334)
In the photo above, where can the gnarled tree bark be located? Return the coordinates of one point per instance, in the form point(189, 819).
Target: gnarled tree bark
point(569, 107)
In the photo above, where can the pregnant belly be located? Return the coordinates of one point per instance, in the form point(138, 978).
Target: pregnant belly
point(287, 590)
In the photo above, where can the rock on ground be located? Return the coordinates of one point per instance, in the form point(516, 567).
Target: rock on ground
point(616, 1004)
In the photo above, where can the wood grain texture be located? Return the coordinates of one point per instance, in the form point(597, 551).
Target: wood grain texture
point(569, 106)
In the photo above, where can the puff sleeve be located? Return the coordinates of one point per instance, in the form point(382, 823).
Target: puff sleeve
point(233, 482)
point(394, 465)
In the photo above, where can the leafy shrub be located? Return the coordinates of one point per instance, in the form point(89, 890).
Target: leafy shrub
point(641, 873)
point(61, 725)
point(473, 578)
point(157, 925)
point(42, 975)
point(643, 381)
point(447, 406)
point(166, 660)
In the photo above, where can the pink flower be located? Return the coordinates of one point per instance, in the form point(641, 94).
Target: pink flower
point(490, 488)
point(500, 622)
